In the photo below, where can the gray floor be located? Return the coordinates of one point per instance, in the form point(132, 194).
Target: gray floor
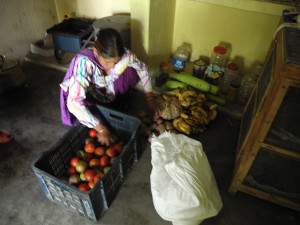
point(32, 115)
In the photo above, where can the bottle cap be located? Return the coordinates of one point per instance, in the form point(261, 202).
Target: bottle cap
point(220, 50)
point(164, 65)
point(233, 67)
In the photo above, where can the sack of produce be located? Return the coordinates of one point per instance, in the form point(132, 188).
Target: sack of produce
point(183, 186)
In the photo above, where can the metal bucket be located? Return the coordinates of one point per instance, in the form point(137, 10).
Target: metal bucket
point(11, 75)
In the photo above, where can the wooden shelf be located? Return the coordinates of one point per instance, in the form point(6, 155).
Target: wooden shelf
point(270, 129)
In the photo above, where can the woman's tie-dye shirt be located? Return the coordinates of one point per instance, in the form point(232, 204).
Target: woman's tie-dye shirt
point(86, 72)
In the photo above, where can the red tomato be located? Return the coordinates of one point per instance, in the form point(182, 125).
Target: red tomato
point(89, 148)
point(118, 147)
point(91, 184)
point(99, 151)
point(84, 187)
point(104, 160)
point(94, 162)
point(111, 152)
point(87, 156)
point(89, 175)
point(71, 170)
point(92, 133)
point(98, 176)
point(74, 161)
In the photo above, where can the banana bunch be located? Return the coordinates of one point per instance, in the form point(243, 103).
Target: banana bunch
point(195, 115)
point(187, 97)
point(184, 126)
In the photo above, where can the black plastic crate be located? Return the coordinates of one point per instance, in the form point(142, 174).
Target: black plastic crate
point(53, 164)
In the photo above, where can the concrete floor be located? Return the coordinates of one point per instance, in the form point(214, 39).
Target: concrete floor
point(32, 115)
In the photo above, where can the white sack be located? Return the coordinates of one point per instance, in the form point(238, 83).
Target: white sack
point(183, 186)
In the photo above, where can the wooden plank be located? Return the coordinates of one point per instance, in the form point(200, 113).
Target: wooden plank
point(280, 150)
point(270, 197)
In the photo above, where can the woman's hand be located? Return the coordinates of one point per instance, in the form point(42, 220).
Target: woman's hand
point(152, 105)
point(154, 109)
point(104, 136)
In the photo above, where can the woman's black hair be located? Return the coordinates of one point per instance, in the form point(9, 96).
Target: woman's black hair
point(109, 43)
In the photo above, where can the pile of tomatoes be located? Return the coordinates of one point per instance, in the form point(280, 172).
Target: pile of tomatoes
point(92, 163)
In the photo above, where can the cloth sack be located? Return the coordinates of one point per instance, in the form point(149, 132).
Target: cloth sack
point(183, 187)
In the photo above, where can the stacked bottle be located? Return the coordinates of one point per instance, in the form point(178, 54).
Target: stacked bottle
point(233, 91)
point(247, 85)
point(231, 73)
point(218, 56)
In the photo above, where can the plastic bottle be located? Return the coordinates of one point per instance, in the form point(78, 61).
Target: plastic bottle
point(231, 73)
point(180, 58)
point(247, 85)
point(218, 56)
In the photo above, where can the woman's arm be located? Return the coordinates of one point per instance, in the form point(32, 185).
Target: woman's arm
point(79, 82)
point(143, 73)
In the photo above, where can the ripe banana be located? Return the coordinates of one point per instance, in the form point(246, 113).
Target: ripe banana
point(192, 121)
point(213, 106)
point(213, 114)
point(174, 92)
point(179, 126)
point(184, 102)
point(187, 97)
point(197, 101)
point(186, 92)
point(167, 99)
point(184, 115)
point(202, 96)
point(184, 126)
point(183, 123)
point(183, 129)
point(175, 124)
point(200, 110)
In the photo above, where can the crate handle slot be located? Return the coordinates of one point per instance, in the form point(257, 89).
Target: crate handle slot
point(116, 117)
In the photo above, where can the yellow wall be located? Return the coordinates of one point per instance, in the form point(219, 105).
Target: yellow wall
point(162, 15)
point(203, 25)
point(152, 23)
point(93, 9)
point(140, 28)
point(24, 22)
point(262, 6)
point(158, 27)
